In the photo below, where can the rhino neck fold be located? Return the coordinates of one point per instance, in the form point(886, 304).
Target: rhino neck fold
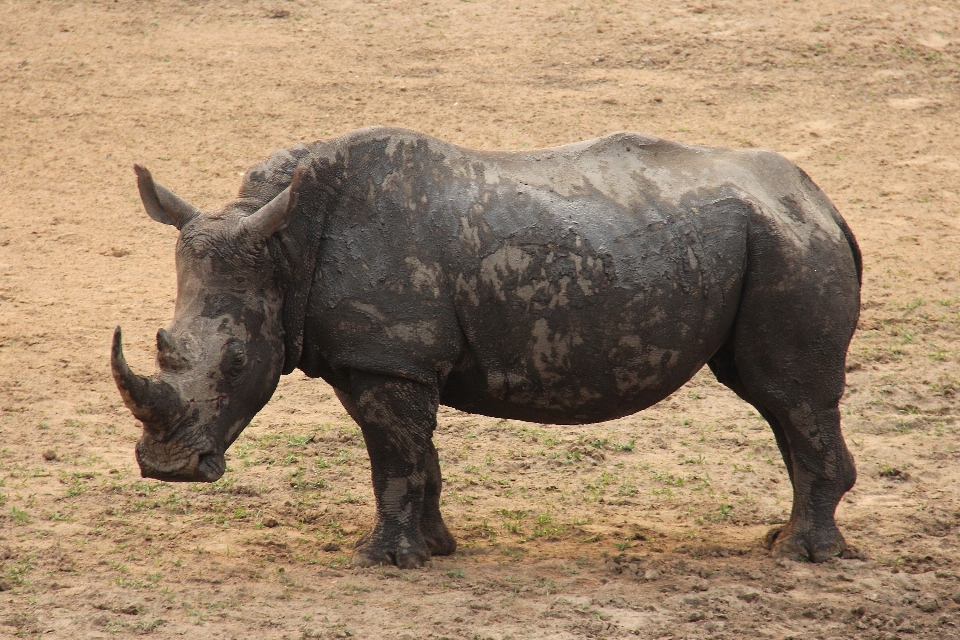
point(295, 251)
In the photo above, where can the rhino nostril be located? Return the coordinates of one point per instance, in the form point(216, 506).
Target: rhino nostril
point(211, 466)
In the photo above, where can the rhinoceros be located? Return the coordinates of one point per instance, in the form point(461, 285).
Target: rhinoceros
point(566, 285)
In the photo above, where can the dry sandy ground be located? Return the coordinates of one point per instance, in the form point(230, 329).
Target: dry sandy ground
point(648, 526)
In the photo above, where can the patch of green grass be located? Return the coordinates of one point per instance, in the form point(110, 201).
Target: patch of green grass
point(350, 589)
point(301, 483)
point(297, 441)
point(627, 490)
point(148, 625)
point(17, 572)
point(723, 512)
point(149, 581)
point(901, 426)
point(599, 443)
point(668, 478)
point(19, 516)
point(76, 489)
point(348, 498)
point(544, 527)
point(485, 530)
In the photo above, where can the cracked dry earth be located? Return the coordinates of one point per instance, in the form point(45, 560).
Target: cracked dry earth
point(644, 527)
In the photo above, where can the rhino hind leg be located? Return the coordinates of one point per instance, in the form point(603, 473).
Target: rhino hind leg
point(398, 418)
point(786, 357)
point(811, 533)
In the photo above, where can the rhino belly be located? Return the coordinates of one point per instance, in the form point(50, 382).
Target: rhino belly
point(573, 336)
point(577, 373)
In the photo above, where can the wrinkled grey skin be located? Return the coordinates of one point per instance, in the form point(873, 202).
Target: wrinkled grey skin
point(567, 285)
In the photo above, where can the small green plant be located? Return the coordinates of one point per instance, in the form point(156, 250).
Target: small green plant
point(20, 517)
point(349, 498)
point(544, 527)
point(627, 490)
point(297, 441)
point(116, 566)
point(350, 589)
point(17, 572)
point(76, 489)
point(599, 443)
point(724, 512)
point(513, 519)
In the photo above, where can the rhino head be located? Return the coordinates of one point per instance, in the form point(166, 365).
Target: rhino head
point(221, 359)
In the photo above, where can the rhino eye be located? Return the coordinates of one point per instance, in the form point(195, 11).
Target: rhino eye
point(234, 359)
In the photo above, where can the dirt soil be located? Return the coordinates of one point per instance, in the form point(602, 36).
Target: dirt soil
point(648, 526)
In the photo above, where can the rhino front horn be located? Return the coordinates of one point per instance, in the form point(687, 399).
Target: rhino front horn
point(152, 402)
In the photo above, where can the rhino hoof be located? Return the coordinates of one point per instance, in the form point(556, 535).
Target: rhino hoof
point(439, 540)
point(367, 557)
point(816, 545)
point(376, 549)
point(372, 557)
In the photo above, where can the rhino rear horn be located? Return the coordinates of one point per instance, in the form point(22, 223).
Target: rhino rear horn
point(162, 204)
point(274, 215)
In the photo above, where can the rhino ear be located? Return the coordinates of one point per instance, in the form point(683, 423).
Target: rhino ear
point(162, 204)
point(274, 215)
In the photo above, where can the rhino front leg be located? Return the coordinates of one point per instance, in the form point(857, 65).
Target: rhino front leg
point(398, 417)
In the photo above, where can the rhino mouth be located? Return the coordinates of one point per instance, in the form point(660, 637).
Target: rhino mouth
point(205, 466)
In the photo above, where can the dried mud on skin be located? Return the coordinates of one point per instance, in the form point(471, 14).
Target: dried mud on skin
point(645, 527)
